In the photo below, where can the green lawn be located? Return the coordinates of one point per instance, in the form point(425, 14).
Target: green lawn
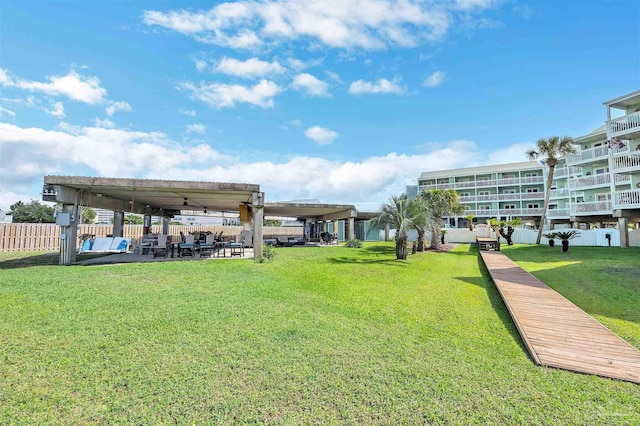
point(322, 335)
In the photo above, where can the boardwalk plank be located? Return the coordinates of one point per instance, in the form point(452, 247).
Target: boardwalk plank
point(556, 332)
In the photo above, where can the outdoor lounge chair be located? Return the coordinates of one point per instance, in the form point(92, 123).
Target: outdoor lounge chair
point(160, 248)
point(188, 247)
point(208, 245)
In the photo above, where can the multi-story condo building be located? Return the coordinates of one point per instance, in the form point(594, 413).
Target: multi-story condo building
point(600, 184)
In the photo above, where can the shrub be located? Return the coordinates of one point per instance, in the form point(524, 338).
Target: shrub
point(353, 243)
point(268, 254)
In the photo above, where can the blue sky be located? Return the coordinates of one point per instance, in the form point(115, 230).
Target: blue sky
point(343, 101)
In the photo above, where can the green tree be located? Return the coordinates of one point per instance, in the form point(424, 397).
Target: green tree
point(132, 219)
point(34, 212)
point(440, 203)
point(399, 214)
point(550, 150)
point(89, 215)
point(420, 220)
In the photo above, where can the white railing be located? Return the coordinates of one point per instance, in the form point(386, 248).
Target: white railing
point(484, 183)
point(627, 199)
point(626, 163)
point(603, 179)
point(505, 212)
point(597, 153)
point(533, 195)
point(559, 193)
point(624, 125)
point(558, 213)
point(621, 178)
point(596, 207)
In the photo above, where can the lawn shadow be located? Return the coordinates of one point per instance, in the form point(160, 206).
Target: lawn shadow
point(388, 261)
point(45, 259)
point(496, 301)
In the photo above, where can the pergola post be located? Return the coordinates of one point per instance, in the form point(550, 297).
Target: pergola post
point(146, 224)
point(68, 233)
point(257, 207)
point(118, 224)
point(165, 225)
point(386, 232)
point(351, 228)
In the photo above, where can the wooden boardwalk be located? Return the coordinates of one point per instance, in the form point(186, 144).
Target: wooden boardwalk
point(555, 331)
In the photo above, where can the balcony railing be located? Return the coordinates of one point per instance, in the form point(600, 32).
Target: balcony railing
point(563, 172)
point(559, 193)
point(627, 163)
point(627, 199)
point(592, 208)
point(556, 213)
point(597, 153)
point(623, 126)
point(505, 212)
point(504, 197)
point(484, 183)
point(597, 180)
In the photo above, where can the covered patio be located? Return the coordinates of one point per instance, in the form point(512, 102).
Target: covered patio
point(148, 197)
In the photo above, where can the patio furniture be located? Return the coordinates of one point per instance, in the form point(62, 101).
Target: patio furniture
point(237, 249)
point(188, 247)
point(160, 247)
point(208, 245)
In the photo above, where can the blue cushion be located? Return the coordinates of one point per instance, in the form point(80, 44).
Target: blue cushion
point(123, 245)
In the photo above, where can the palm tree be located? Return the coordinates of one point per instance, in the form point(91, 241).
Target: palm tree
point(550, 149)
point(400, 214)
point(440, 203)
point(420, 220)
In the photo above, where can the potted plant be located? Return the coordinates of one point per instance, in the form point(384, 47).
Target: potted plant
point(565, 237)
point(551, 237)
point(444, 232)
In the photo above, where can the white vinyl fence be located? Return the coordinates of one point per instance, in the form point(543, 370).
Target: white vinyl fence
point(592, 237)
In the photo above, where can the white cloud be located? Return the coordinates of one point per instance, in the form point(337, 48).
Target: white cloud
point(435, 79)
point(365, 182)
point(106, 123)
point(299, 65)
point(382, 86)
point(57, 110)
point(6, 111)
point(368, 24)
point(117, 106)
point(227, 95)
point(190, 112)
point(333, 76)
point(251, 68)
point(196, 128)
point(320, 135)
point(309, 85)
point(201, 65)
point(296, 123)
point(73, 85)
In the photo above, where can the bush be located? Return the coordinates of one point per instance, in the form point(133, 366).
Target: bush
point(268, 254)
point(353, 243)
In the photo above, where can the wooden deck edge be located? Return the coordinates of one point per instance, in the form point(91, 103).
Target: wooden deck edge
point(521, 331)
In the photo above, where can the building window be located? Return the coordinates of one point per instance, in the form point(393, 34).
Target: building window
point(533, 206)
point(530, 175)
point(463, 194)
point(509, 206)
point(603, 197)
point(509, 191)
point(484, 207)
point(530, 190)
point(602, 171)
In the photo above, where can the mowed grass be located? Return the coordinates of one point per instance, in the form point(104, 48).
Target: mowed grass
point(322, 335)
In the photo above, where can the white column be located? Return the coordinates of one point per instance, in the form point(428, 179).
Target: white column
point(257, 208)
point(68, 235)
point(165, 225)
point(624, 231)
point(351, 228)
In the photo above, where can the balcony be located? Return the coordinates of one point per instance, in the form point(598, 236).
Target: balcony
point(629, 199)
point(564, 172)
point(627, 126)
point(558, 213)
point(485, 183)
point(505, 212)
point(629, 163)
point(559, 193)
point(593, 208)
point(597, 180)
